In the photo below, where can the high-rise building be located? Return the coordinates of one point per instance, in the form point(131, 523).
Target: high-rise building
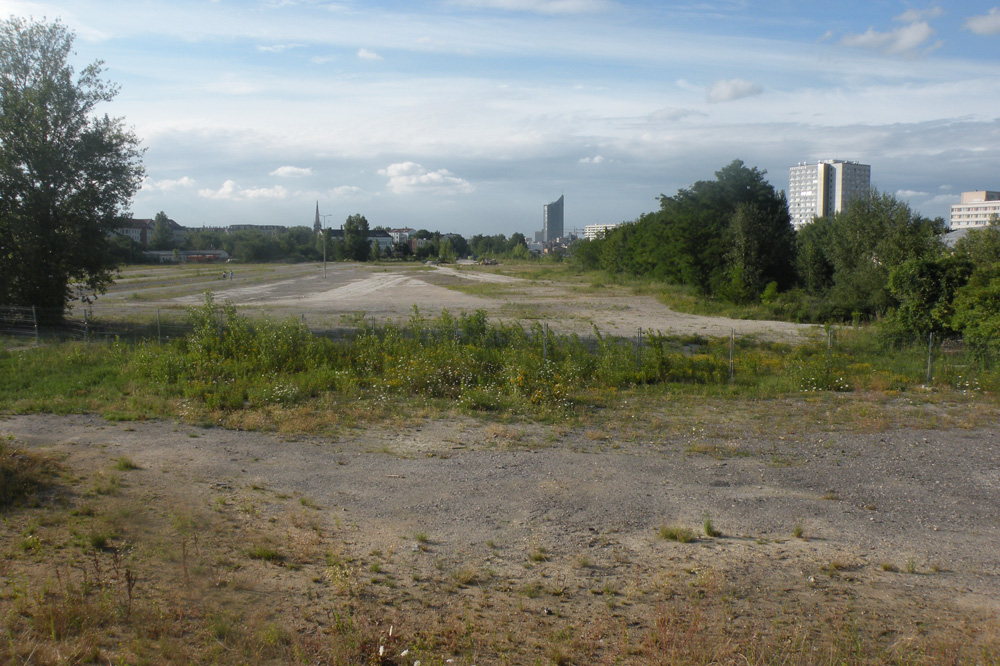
point(978, 209)
point(552, 227)
point(819, 189)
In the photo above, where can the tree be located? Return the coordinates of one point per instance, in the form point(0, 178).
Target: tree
point(163, 235)
point(875, 234)
point(67, 175)
point(761, 248)
point(356, 238)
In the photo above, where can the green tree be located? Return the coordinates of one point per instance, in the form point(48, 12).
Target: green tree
point(812, 256)
point(163, 235)
point(67, 175)
point(872, 236)
point(356, 238)
point(761, 249)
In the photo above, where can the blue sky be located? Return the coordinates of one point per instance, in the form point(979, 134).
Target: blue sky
point(469, 115)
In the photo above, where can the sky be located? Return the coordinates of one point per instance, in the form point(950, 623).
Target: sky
point(468, 116)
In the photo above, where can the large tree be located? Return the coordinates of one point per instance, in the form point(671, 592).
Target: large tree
point(67, 174)
point(356, 238)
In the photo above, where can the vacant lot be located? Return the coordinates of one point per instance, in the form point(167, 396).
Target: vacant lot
point(390, 292)
point(821, 528)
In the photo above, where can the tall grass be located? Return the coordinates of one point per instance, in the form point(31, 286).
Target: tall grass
point(230, 362)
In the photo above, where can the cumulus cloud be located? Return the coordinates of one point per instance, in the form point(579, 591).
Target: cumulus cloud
point(726, 91)
point(915, 15)
point(344, 191)
point(906, 39)
point(365, 54)
point(412, 177)
point(167, 185)
point(596, 159)
point(230, 191)
point(291, 172)
point(541, 6)
point(906, 194)
point(986, 24)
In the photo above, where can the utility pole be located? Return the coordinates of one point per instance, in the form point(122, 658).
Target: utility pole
point(324, 236)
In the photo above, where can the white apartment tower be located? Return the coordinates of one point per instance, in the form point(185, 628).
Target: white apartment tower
point(978, 209)
point(819, 189)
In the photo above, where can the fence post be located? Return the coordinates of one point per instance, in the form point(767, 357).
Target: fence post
point(638, 350)
point(545, 342)
point(732, 353)
point(159, 336)
point(34, 316)
point(86, 327)
point(930, 356)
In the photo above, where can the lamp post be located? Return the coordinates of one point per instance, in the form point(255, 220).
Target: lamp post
point(324, 242)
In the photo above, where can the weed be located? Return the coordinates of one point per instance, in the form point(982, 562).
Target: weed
point(265, 553)
point(889, 566)
point(710, 530)
point(911, 566)
point(125, 464)
point(677, 533)
point(538, 555)
point(22, 475)
point(798, 531)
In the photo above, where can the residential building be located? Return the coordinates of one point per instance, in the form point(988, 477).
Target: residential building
point(138, 230)
point(401, 235)
point(977, 209)
point(820, 189)
point(595, 231)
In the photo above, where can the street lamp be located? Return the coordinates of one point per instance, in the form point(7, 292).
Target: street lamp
point(324, 242)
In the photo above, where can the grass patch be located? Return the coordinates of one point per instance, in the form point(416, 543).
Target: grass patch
point(677, 533)
point(23, 475)
point(125, 464)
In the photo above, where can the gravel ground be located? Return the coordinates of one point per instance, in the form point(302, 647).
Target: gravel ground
point(456, 493)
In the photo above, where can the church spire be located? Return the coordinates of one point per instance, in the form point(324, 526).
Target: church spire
point(317, 225)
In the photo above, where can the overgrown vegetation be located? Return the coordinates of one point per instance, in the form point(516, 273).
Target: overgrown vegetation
point(233, 364)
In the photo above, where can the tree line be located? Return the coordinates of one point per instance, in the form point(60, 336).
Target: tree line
point(731, 239)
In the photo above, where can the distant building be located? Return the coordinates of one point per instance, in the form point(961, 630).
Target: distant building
point(552, 221)
point(595, 231)
point(401, 235)
point(138, 230)
point(265, 229)
point(820, 189)
point(978, 209)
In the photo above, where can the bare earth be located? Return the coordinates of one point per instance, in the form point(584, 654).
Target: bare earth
point(900, 529)
point(390, 293)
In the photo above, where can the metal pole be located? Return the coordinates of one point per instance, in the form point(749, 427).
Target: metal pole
point(545, 343)
point(159, 337)
point(86, 327)
point(34, 315)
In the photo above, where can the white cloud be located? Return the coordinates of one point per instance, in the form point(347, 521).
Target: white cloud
point(915, 15)
point(988, 24)
point(906, 194)
point(167, 185)
point(669, 115)
point(230, 191)
point(726, 91)
point(291, 172)
point(345, 191)
point(365, 54)
point(412, 177)
point(277, 48)
point(596, 159)
point(899, 41)
point(542, 6)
